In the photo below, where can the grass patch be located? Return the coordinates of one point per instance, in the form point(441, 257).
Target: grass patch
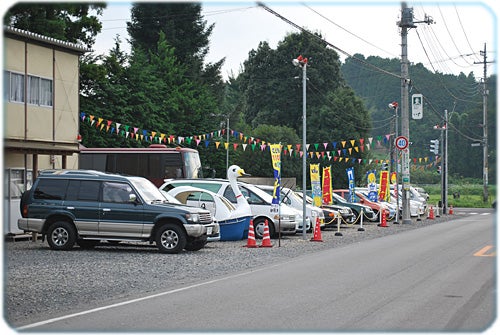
point(470, 195)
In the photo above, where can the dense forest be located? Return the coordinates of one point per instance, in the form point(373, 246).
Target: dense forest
point(165, 92)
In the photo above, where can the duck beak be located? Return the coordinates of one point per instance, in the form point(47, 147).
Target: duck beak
point(242, 173)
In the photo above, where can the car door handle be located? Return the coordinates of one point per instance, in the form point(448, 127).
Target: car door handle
point(106, 209)
point(70, 208)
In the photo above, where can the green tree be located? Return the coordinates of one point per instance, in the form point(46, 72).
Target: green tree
point(72, 21)
point(460, 95)
point(186, 32)
point(259, 163)
point(273, 94)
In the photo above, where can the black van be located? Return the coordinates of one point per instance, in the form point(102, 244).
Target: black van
point(86, 207)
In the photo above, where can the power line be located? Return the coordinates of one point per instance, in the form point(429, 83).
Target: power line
point(326, 42)
point(347, 31)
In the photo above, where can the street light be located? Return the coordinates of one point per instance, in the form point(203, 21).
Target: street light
point(302, 62)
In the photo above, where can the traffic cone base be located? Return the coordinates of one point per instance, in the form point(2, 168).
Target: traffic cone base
point(383, 219)
point(431, 213)
point(317, 232)
point(251, 236)
point(266, 240)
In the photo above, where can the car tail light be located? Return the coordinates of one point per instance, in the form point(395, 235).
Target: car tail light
point(24, 212)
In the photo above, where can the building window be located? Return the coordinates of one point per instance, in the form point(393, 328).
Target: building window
point(39, 90)
point(45, 92)
point(33, 90)
point(13, 87)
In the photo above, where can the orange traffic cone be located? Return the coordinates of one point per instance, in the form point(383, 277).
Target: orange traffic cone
point(317, 232)
point(251, 236)
point(451, 210)
point(431, 213)
point(383, 218)
point(266, 240)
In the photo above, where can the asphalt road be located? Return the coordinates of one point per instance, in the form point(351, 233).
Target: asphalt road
point(436, 278)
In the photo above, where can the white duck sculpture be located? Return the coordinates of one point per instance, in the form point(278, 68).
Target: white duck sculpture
point(242, 206)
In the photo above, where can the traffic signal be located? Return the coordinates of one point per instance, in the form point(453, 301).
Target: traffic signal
point(435, 146)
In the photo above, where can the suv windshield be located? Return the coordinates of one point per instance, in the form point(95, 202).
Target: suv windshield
point(148, 190)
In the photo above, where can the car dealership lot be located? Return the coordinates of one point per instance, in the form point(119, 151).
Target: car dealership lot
point(41, 283)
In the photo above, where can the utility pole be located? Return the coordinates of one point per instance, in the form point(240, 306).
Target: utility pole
point(444, 165)
point(485, 126)
point(405, 24)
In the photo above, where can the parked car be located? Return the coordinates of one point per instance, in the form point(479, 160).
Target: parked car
point(356, 208)
point(333, 212)
point(422, 193)
point(233, 222)
point(86, 207)
point(390, 207)
point(413, 194)
point(260, 203)
point(288, 197)
point(362, 199)
point(416, 208)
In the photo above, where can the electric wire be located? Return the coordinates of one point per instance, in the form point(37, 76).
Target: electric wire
point(347, 31)
point(326, 42)
point(451, 36)
point(441, 117)
point(440, 79)
point(465, 34)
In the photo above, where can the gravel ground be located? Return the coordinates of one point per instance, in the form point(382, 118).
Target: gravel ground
point(40, 283)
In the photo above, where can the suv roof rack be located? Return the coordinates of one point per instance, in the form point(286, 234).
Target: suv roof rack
point(72, 172)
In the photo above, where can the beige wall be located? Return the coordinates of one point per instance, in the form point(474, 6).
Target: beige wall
point(58, 123)
point(66, 97)
point(14, 112)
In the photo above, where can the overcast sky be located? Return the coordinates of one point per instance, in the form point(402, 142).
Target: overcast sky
point(450, 45)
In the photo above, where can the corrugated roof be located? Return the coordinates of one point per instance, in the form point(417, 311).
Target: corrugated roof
point(49, 40)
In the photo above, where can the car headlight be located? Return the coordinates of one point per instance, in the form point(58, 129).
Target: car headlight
point(194, 218)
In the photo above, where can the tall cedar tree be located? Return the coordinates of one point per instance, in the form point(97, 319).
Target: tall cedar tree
point(185, 31)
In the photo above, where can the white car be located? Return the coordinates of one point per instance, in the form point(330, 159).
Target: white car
point(288, 197)
point(416, 208)
point(233, 222)
point(260, 203)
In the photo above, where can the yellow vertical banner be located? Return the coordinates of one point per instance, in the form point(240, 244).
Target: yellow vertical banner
point(276, 159)
point(327, 185)
point(315, 184)
point(394, 180)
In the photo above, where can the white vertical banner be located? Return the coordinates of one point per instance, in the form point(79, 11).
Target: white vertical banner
point(417, 109)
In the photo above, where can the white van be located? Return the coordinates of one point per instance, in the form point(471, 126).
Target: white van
point(260, 203)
